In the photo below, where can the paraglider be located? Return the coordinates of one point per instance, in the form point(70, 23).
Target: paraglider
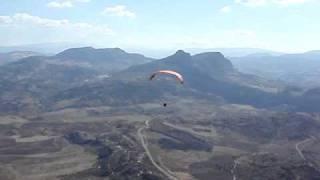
point(169, 72)
point(175, 74)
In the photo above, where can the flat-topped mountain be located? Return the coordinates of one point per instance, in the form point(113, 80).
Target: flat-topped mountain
point(104, 60)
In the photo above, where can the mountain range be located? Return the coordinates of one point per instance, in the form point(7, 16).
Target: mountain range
point(89, 113)
point(91, 72)
point(80, 68)
point(294, 69)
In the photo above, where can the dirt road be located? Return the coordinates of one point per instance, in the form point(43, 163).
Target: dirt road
point(146, 149)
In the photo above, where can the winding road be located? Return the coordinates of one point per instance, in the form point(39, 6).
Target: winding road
point(145, 147)
point(235, 163)
point(299, 150)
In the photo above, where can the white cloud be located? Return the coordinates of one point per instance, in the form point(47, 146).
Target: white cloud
point(256, 3)
point(27, 19)
point(33, 29)
point(226, 9)
point(251, 3)
point(5, 20)
point(289, 2)
point(83, 1)
point(24, 18)
point(118, 10)
point(65, 3)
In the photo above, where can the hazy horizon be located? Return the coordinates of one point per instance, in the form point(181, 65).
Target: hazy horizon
point(57, 47)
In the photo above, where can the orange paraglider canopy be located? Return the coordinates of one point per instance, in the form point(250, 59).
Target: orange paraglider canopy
point(169, 72)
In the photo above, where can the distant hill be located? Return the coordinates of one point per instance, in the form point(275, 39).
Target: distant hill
point(44, 48)
point(295, 69)
point(211, 66)
point(105, 60)
point(25, 84)
point(16, 55)
point(227, 52)
point(235, 52)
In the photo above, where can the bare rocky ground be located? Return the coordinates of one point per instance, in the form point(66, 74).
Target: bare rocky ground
point(188, 140)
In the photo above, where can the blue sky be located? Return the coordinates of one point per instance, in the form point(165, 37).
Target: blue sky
point(281, 25)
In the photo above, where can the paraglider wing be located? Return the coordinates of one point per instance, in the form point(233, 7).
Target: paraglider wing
point(169, 72)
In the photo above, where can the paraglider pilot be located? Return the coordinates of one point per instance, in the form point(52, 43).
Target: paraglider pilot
point(177, 75)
